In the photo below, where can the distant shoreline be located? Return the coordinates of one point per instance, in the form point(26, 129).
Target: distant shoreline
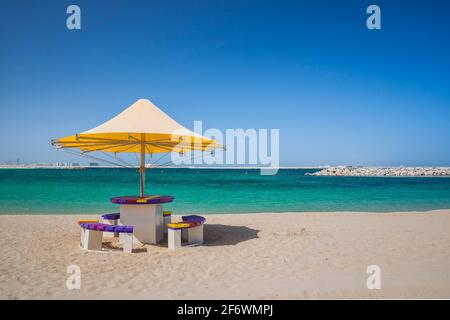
point(37, 166)
point(69, 167)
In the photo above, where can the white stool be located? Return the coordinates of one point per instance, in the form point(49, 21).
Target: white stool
point(191, 230)
point(91, 239)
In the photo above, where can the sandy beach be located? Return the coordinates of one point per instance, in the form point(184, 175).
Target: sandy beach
point(245, 256)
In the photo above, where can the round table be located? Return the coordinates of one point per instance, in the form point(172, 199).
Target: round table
point(145, 214)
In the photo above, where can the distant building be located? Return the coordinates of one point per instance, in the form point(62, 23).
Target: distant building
point(61, 164)
point(93, 164)
point(75, 164)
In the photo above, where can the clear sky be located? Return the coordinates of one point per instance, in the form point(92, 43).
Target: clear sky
point(338, 92)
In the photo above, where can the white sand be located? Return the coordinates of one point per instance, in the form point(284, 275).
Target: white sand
point(253, 256)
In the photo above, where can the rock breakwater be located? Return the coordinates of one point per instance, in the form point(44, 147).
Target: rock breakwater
point(383, 172)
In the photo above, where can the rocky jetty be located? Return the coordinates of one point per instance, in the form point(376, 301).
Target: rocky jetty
point(383, 172)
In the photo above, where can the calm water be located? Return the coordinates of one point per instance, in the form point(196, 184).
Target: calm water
point(206, 191)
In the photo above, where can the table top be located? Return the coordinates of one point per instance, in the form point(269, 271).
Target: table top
point(150, 199)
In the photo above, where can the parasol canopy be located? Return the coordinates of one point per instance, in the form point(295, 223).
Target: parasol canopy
point(140, 125)
point(141, 128)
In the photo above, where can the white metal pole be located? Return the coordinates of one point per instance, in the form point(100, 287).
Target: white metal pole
point(142, 166)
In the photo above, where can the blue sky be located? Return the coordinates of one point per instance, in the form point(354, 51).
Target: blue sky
point(338, 92)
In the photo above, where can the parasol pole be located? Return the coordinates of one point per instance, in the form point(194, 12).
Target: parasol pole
point(142, 166)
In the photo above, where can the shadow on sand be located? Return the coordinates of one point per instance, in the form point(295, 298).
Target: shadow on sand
point(213, 235)
point(226, 235)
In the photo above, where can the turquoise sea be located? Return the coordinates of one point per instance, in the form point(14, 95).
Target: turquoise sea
point(208, 191)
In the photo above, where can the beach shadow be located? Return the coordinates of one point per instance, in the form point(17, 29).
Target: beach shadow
point(226, 235)
point(115, 246)
point(213, 235)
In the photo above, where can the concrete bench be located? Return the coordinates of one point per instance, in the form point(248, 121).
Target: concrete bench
point(111, 219)
point(192, 226)
point(92, 235)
